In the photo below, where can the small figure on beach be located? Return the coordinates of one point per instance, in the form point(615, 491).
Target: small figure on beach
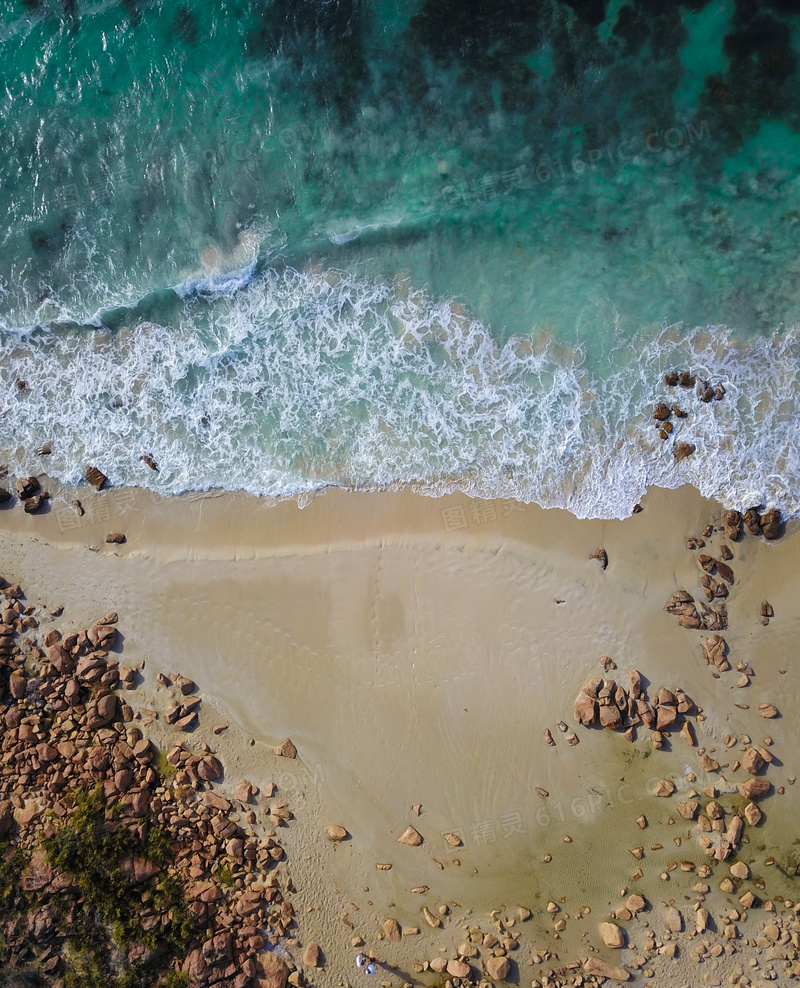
point(362, 959)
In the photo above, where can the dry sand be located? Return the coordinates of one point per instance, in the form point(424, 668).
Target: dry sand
point(415, 649)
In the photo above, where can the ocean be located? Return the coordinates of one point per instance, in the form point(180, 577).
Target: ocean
point(288, 244)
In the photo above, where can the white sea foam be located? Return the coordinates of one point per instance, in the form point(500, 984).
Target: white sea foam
point(304, 379)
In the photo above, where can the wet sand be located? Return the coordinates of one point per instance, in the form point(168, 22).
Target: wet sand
point(414, 650)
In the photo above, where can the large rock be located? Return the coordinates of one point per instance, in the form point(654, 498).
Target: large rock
point(754, 788)
point(610, 716)
point(273, 972)
point(6, 816)
point(17, 684)
point(33, 504)
point(312, 955)
point(681, 450)
point(95, 477)
point(411, 837)
point(613, 935)
point(26, 487)
point(753, 521)
point(752, 814)
point(771, 524)
point(752, 762)
point(286, 749)
point(393, 932)
point(458, 969)
point(733, 525)
point(603, 969)
point(592, 687)
point(674, 920)
point(61, 659)
point(209, 769)
point(664, 788)
point(585, 710)
point(666, 715)
point(336, 833)
point(102, 713)
point(497, 968)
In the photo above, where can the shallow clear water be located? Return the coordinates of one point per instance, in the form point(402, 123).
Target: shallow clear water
point(279, 245)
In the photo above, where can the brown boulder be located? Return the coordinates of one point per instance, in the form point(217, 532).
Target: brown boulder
point(592, 687)
point(754, 788)
point(26, 487)
point(610, 716)
point(33, 504)
point(688, 810)
point(61, 659)
point(5, 495)
point(681, 450)
point(674, 920)
point(286, 749)
point(753, 521)
point(246, 792)
point(312, 955)
point(752, 762)
point(603, 969)
point(115, 538)
point(613, 935)
point(209, 769)
point(733, 525)
point(103, 712)
point(497, 968)
point(336, 833)
point(585, 711)
point(752, 814)
point(410, 836)
point(392, 930)
point(724, 571)
point(17, 685)
point(458, 969)
point(95, 477)
point(273, 971)
point(6, 816)
point(771, 524)
point(666, 715)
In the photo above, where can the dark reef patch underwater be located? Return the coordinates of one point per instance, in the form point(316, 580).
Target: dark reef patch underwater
point(280, 245)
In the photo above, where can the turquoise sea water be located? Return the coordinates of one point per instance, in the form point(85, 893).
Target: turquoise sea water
point(290, 243)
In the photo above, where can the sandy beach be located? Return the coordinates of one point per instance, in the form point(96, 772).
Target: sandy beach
point(415, 650)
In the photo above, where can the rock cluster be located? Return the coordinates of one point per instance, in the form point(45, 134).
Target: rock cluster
point(609, 704)
point(200, 891)
point(708, 618)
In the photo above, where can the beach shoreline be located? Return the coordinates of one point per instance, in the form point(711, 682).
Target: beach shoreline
point(415, 650)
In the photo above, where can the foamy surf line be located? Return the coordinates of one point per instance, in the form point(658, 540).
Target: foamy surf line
point(302, 380)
